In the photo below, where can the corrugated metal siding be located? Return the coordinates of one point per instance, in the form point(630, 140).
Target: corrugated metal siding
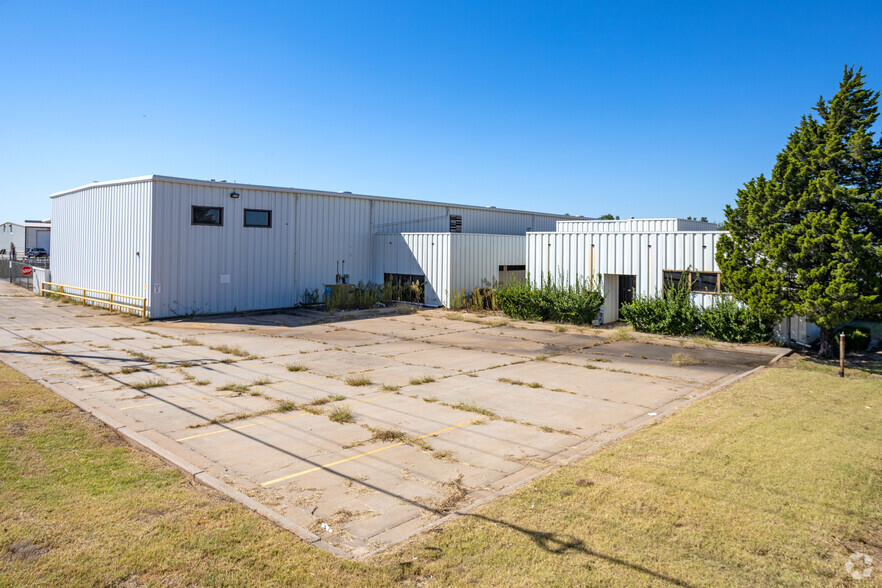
point(206, 269)
point(426, 254)
point(103, 241)
point(190, 260)
point(475, 259)
point(13, 234)
point(566, 256)
point(634, 225)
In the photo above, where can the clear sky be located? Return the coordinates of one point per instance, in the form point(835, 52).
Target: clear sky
point(647, 109)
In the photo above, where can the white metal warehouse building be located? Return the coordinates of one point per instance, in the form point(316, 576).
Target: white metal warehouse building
point(202, 247)
point(633, 257)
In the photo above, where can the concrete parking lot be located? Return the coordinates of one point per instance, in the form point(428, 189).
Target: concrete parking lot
point(358, 431)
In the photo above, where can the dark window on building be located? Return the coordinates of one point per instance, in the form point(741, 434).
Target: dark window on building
point(699, 282)
point(406, 287)
point(512, 268)
point(672, 279)
point(456, 223)
point(258, 218)
point(207, 215)
point(706, 282)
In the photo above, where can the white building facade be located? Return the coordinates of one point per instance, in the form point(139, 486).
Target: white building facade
point(203, 247)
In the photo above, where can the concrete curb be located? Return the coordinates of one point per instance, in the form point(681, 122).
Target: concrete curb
point(468, 509)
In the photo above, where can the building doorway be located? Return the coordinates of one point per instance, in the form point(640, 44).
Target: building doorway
point(627, 285)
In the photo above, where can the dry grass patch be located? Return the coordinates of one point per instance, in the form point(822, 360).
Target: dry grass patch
point(359, 381)
point(296, 367)
point(231, 387)
point(470, 407)
point(234, 350)
point(684, 359)
point(390, 388)
point(327, 399)
point(396, 436)
point(341, 415)
point(151, 383)
point(421, 380)
point(622, 334)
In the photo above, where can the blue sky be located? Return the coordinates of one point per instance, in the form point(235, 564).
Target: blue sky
point(641, 109)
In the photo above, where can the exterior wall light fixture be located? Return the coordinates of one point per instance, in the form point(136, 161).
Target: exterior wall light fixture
point(234, 194)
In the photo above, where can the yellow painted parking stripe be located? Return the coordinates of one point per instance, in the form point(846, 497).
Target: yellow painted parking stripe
point(89, 386)
point(291, 416)
point(365, 454)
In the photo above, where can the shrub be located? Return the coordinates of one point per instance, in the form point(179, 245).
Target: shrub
point(673, 313)
point(856, 338)
point(577, 303)
point(728, 320)
point(670, 314)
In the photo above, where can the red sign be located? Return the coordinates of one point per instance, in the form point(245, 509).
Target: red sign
point(27, 270)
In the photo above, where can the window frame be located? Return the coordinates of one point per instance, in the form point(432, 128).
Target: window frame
point(194, 223)
point(269, 218)
point(693, 277)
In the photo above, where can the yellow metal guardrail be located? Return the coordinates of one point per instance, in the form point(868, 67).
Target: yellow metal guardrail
point(65, 290)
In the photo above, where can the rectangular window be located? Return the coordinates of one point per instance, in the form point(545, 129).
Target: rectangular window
point(672, 279)
point(699, 282)
point(258, 218)
point(456, 223)
point(705, 282)
point(208, 215)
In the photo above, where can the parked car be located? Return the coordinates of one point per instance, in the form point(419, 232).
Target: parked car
point(36, 252)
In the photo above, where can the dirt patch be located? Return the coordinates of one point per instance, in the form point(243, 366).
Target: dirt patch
point(457, 492)
point(16, 430)
point(26, 550)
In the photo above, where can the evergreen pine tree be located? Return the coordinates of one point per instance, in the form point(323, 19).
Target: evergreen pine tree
point(808, 241)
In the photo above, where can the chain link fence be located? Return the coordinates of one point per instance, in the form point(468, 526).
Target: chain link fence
point(20, 272)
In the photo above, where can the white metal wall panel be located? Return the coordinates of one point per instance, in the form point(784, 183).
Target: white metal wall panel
point(634, 225)
point(210, 269)
point(12, 234)
point(426, 254)
point(475, 259)
point(185, 269)
point(103, 240)
point(567, 256)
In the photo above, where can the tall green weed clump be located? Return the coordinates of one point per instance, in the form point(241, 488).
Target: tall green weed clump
point(672, 313)
point(576, 303)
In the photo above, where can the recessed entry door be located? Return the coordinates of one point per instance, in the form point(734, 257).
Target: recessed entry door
point(627, 285)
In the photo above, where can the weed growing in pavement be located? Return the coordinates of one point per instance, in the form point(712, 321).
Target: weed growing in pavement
point(358, 381)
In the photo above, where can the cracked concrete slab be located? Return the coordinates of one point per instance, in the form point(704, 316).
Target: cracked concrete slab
point(485, 411)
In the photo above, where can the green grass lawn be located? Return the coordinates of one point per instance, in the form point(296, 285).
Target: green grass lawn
point(774, 481)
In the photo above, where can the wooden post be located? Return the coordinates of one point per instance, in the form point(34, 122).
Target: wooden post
point(144, 308)
point(111, 303)
point(842, 354)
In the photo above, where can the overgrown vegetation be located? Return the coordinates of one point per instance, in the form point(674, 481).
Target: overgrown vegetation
point(576, 303)
point(365, 295)
point(673, 313)
point(857, 338)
